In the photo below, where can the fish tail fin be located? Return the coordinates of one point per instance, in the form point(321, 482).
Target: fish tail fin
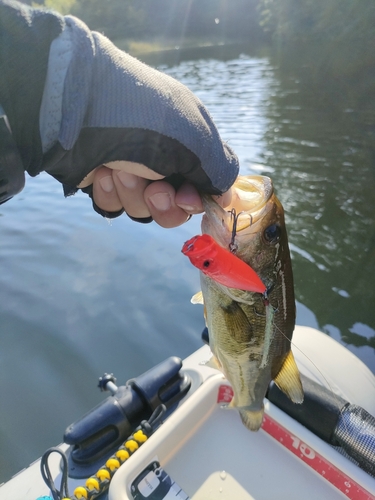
point(252, 419)
point(288, 380)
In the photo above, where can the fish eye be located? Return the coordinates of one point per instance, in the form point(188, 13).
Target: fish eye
point(206, 263)
point(272, 233)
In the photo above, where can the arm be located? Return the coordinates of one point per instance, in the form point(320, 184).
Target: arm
point(99, 106)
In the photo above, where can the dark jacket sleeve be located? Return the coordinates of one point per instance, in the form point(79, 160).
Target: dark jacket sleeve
point(113, 107)
point(25, 38)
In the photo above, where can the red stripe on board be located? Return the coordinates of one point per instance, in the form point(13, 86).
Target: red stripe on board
point(317, 462)
point(321, 465)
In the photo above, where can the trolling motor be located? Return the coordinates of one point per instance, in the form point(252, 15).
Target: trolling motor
point(95, 436)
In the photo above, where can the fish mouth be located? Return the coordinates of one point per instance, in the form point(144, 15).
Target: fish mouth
point(248, 206)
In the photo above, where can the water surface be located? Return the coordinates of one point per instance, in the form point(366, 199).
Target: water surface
point(81, 296)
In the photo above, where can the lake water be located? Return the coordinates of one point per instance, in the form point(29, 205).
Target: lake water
point(81, 296)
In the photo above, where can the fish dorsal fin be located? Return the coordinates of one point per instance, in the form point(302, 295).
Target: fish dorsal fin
point(288, 380)
point(197, 298)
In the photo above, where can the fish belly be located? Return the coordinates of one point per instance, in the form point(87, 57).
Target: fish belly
point(238, 350)
point(249, 386)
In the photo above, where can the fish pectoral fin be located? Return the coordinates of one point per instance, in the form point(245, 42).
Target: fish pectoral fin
point(288, 380)
point(212, 362)
point(197, 298)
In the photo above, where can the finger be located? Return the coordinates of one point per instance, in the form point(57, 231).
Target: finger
point(188, 198)
point(88, 180)
point(104, 191)
point(132, 167)
point(130, 189)
point(160, 199)
point(125, 166)
point(225, 199)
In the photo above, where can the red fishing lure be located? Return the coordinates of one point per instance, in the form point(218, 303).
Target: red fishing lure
point(221, 265)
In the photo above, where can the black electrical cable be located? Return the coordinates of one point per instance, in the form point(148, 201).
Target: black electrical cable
point(157, 415)
point(47, 477)
point(150, 425)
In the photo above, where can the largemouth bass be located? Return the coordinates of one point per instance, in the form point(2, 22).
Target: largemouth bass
point(250, 332)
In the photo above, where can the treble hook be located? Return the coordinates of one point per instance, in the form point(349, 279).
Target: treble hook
point(232, 245)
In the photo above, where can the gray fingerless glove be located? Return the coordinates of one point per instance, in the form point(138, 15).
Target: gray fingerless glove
point(101, 105)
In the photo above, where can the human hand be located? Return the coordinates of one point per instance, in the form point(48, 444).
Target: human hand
point(144, 195)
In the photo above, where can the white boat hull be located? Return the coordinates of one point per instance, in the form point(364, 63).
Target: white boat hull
point(211, 455)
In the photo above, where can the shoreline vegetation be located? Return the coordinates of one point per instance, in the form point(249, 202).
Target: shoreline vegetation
point(331, 40)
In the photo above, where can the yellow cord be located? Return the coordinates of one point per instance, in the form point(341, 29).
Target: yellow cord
point(100, 481)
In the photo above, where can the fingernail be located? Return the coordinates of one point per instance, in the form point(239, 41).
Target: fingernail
point(161, 201)
point(106, 183)
point(187, 208)
point(127, 180)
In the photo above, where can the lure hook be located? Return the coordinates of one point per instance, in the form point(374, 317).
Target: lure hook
point(233, 245)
